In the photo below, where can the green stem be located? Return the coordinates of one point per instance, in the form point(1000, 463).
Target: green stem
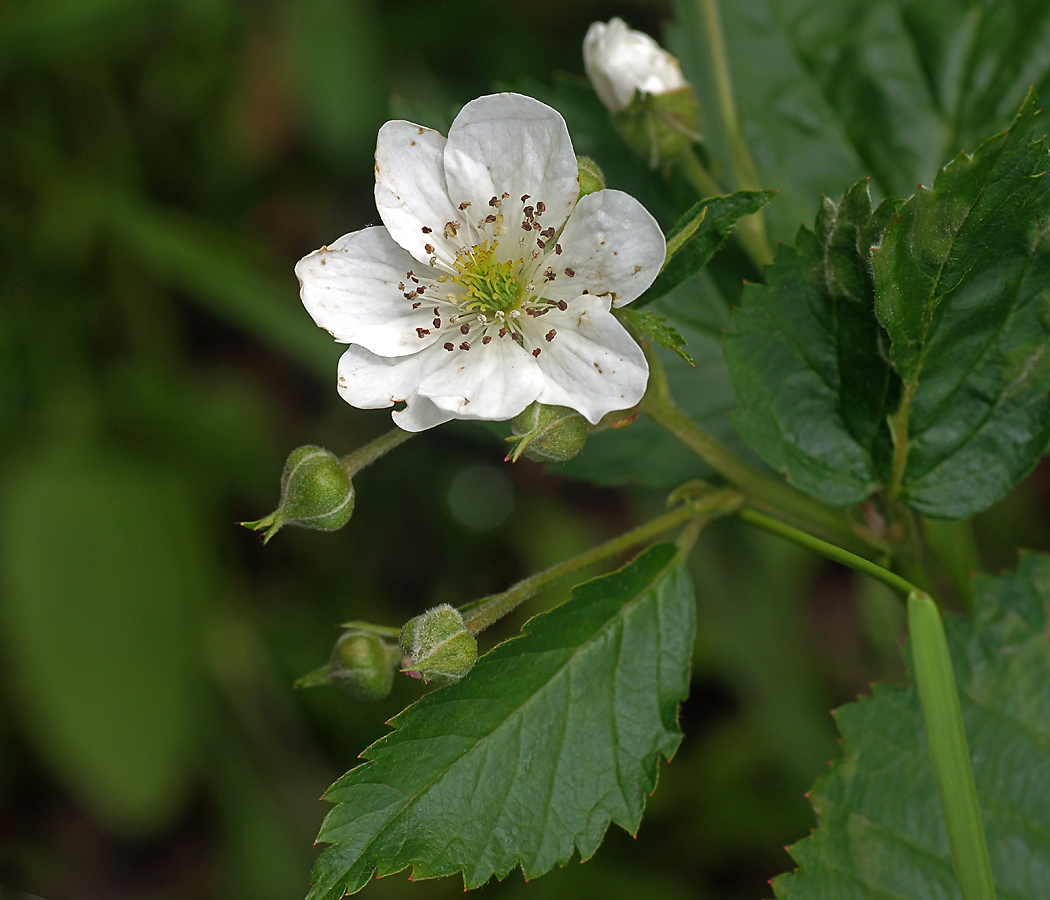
point(743, 164)
point(831, 551)
point(364, 456)
point(749, 230)
point(764, 492)
point(948, 750)
point(899, 433)
point(484, 612)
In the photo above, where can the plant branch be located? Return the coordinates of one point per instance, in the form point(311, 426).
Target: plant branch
point(764, 492)
point(484, 612)
point(831, 551)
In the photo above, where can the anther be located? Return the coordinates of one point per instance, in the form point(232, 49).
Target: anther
point(515, 313)
point(557, 249)
point(503, 332)
point(536, 352)
point(422, 332)
point(562, 305)
point(437, 323)
point(464, 204)
point(421, 289)
point(550, 335)
point(427, 230)
point(504, 195)
point(541, 207)
point(448, 346)
point(482, 318)
point(494, 201)
point(464, 346)
point(570, 272)
point(490, 218)
point(429, 248)
point(464, 329)
point(416, 305)
point(540, 243)
point(454, 318)
point(525, 197)
point(400, 285)
point(486, 338)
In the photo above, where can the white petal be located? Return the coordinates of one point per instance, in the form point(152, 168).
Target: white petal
point(592, 364)
point(620, 60)
point(410, 190)
point(351, 290)
point(509, 143)
point(368, 381)
point(419, 415)
point(493, 382)
point(611, 243)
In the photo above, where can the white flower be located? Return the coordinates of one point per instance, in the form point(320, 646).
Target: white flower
point(490, 286)
point(620, 60)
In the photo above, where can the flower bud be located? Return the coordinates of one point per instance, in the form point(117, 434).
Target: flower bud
point(437, 645)
point(548, 433)
point(315, 493)
point(362, 664)
point(592, 178)
point(653, 106)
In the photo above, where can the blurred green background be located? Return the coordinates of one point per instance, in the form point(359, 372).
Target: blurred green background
point(163, 163)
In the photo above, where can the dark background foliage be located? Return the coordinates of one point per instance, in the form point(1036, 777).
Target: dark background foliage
point(163, 163)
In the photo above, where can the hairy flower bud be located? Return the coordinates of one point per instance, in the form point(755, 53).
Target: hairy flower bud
point(437, 645)
point(548, 433)
point(362, 664)
point(653, 106)
point(315, 493)
point(592, 178)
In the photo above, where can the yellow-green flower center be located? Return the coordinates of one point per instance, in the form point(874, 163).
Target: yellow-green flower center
point(489, 286)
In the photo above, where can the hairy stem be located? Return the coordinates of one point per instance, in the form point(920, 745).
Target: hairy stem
point(364, 456)
point(482, 613)
point(743, 164)
point(764, 492)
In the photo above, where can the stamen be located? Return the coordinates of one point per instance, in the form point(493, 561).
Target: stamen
point(562, 305)
point(486, 338)
point(464, 346)
point(550, 335)
point(422, 332)
point(570, 272)
point(427, 230)
point(464, 329)
point(536, 352)
point(448, 346)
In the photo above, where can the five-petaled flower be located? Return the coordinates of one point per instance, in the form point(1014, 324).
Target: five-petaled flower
point(491, 282)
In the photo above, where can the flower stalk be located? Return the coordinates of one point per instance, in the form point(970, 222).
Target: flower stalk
point(482, 613)
point(752, 230)
point(364, 456)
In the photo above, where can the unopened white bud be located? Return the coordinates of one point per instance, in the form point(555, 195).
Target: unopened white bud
point(620, 61)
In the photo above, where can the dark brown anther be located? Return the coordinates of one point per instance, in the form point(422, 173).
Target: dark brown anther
point(464, 328)
point(550, 335)
point(490, 218)
point(541, 207)
point(525, 197)
point(422, 332)
point(503, 332)
point(416, 305)
point(562, 305)
point(486, 338)
point(504, 195)
point(464, 346)
point(429, 248)
point(427, 230)
point(570, 272)
point(528, 212)
point(557, 249)
point(437, 323)
point(540, 243)
point(464, 204)
point(421, 289)
point(494, 201)
point(400, 285)
point(448, 346)
point(536, 352)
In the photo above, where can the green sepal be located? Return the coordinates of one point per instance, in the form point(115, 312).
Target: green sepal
point(592, 178)
point(660, 127)
point(437, 645)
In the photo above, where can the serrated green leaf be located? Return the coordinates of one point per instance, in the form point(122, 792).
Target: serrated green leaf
point(813, 386)
point(656, 329)
point(528, 759)
point(706, 226)
point(961, 281)
point(881, 829)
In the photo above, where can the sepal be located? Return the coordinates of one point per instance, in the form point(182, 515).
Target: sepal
point(437, 646)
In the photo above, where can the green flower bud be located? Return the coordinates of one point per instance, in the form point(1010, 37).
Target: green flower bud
point(315, 493)
point(437, 645)
point(362, 664)
point(548, 433)
point(592, 178)
point(660, 127)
